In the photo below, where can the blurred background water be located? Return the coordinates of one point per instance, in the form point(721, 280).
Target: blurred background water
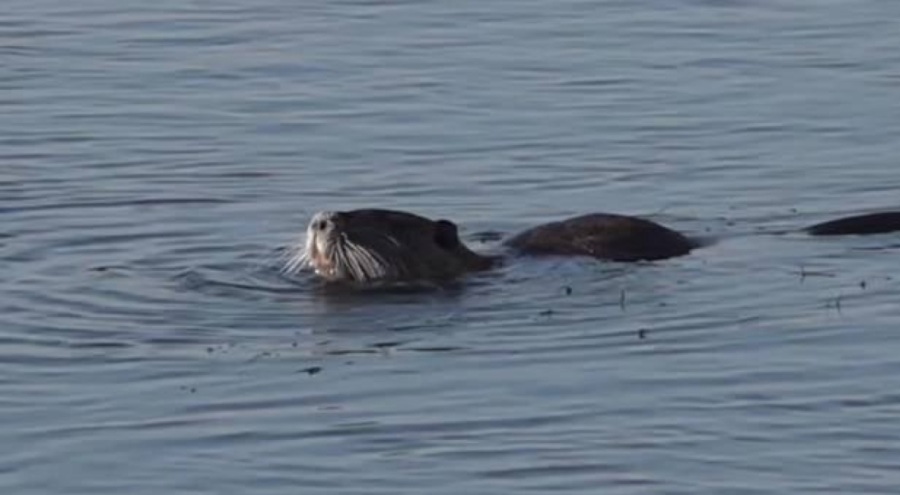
point(157, 157)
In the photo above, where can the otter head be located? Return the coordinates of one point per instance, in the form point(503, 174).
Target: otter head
point(372, 246)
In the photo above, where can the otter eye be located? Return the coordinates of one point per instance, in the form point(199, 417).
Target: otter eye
point(321, 225)
point(445, 234)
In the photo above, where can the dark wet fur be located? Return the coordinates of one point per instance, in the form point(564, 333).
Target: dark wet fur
point(871, 223)
point(604, 236)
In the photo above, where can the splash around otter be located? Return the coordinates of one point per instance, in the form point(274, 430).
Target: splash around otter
point(372, 246)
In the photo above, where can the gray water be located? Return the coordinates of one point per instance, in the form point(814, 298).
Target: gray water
point(157, 158)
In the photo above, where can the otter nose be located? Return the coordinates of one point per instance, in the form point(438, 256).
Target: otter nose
point(324, 220)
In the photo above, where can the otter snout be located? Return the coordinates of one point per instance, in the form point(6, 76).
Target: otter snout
point(324, 221)
point(321, 234)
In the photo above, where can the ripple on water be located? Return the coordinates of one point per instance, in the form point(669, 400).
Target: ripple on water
point(156, 159)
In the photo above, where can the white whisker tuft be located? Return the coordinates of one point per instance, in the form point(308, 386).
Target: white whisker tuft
point(367, 265)
point(296, 257)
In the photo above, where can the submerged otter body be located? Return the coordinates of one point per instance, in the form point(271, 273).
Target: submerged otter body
point(870, 223)
point(391, 246)
point(604, 236)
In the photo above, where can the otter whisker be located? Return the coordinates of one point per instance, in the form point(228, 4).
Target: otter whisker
point(295, 258)
point(349, 262)
point(369, 264)
point(393, 240)
point(335, 260)
point(392, 262)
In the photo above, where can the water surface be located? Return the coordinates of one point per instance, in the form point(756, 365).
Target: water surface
point(156, 159)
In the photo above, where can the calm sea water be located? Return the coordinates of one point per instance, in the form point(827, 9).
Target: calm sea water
point(156, 158)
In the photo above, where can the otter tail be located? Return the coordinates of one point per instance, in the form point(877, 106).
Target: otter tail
point(870, 223)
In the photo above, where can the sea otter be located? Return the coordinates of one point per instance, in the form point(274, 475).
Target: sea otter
point(368, 246)
point(385, 246)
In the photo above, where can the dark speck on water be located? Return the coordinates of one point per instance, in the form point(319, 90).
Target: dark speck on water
point(159, 160)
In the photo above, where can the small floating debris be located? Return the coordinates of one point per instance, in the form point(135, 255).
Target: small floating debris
point(312, 370)
point(387, 345)
point(261, 355)
point(836, 304)
point(804, 273)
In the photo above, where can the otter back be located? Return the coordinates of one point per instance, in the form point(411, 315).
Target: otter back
point(603, 236)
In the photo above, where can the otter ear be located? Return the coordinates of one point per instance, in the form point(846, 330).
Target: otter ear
point(445, 234)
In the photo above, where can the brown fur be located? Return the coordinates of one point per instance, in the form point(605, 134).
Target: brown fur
point(604, 236)
point(871, 223)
